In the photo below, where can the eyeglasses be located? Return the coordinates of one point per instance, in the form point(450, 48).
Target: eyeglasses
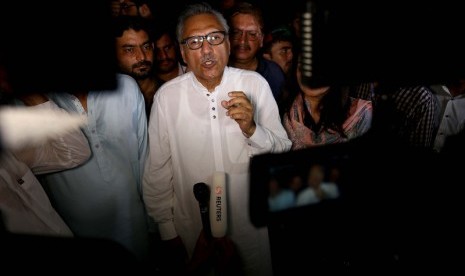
point(125, 6)
point(195, 42)
point(251, 35)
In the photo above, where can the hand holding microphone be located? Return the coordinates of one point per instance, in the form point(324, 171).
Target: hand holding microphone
point(226, 258)
point(202, 194)
point(214, 250)
point(213, 206)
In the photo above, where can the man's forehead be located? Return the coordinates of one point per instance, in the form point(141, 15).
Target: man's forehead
point(199, 24)
point(282, 44)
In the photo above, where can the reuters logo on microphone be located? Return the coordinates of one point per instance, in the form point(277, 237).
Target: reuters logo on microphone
point(218, 190)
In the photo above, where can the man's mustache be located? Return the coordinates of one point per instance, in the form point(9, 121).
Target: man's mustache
point(206, 58)
point(142, 63)
point(165, 59)
point(242, 47)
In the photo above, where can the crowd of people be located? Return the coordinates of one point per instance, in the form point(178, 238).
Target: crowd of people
point(205, 94)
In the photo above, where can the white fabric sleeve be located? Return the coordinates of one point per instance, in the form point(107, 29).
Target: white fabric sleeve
point(157, 189)
point(63, 150)
point(270, 135)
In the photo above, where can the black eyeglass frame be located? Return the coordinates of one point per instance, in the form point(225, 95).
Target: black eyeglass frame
point(208, 37)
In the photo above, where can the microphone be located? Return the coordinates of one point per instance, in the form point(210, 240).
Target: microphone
point(315, 64)
point(307, 40)
point(218, 205)
point(202, 194)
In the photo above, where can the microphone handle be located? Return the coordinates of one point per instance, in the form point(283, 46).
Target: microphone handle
point(204, 214)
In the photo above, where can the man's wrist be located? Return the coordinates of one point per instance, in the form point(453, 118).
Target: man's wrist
point(250, 132)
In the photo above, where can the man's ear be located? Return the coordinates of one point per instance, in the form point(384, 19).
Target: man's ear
point(145, 11)
point(181, 50)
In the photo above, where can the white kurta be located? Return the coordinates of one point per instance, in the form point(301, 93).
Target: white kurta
point(451, 115)
point(102, 198)
point(24, 205)
point(190, 137)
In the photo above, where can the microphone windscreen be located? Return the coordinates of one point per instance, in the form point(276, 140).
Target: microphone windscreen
point(218, 205)
point(201, 192)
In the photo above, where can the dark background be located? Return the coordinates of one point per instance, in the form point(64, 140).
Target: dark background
point(57, 46)
point(54, 45)
point(405, 211)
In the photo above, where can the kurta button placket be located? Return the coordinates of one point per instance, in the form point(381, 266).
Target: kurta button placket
point(213, 107)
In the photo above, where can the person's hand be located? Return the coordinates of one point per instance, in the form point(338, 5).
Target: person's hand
point(214, 254)
point(227, 261)
point(241, 110)
point(202, 258)
point(33, 99)
point(175, 256)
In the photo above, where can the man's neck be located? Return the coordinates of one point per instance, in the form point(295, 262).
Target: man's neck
point(82, 97)
point(166, 76)
point(148, 87)
point(313, 103)
point(457, 89)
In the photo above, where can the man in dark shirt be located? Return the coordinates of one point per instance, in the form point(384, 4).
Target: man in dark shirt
point(246, 36)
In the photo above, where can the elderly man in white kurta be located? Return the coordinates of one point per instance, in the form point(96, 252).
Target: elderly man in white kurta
point(213, 118)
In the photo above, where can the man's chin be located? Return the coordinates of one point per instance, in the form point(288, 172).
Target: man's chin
point(141, 76)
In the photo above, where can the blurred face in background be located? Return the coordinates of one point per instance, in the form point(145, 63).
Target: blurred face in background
point(316, 176)
point(166, 59)
point(124, 7)
point(134, 52)
point(281, 53)
point(246, 37)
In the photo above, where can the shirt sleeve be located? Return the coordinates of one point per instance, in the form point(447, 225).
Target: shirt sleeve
point(65, 151)
point(141, 122)
point(424, 118)
point(270, 135)
point(158, 190)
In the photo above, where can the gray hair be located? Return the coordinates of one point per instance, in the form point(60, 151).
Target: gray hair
point(196, 9)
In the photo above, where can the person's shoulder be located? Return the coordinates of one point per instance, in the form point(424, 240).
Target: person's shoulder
point(245, 74)
point(123, 83)
point(172, 83)
point(173, 86)
point(359, 108)
point(413, 91)
point(125, 79)
point(271, 66)
point(126, 90)
point(359, 103)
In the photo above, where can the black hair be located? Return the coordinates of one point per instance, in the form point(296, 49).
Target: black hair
point(277, 34)
point(334, 107)
point(243, 7)
point(126, 22)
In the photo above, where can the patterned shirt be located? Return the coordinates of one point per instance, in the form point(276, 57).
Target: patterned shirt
point(357, 123)
point(411, 114)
